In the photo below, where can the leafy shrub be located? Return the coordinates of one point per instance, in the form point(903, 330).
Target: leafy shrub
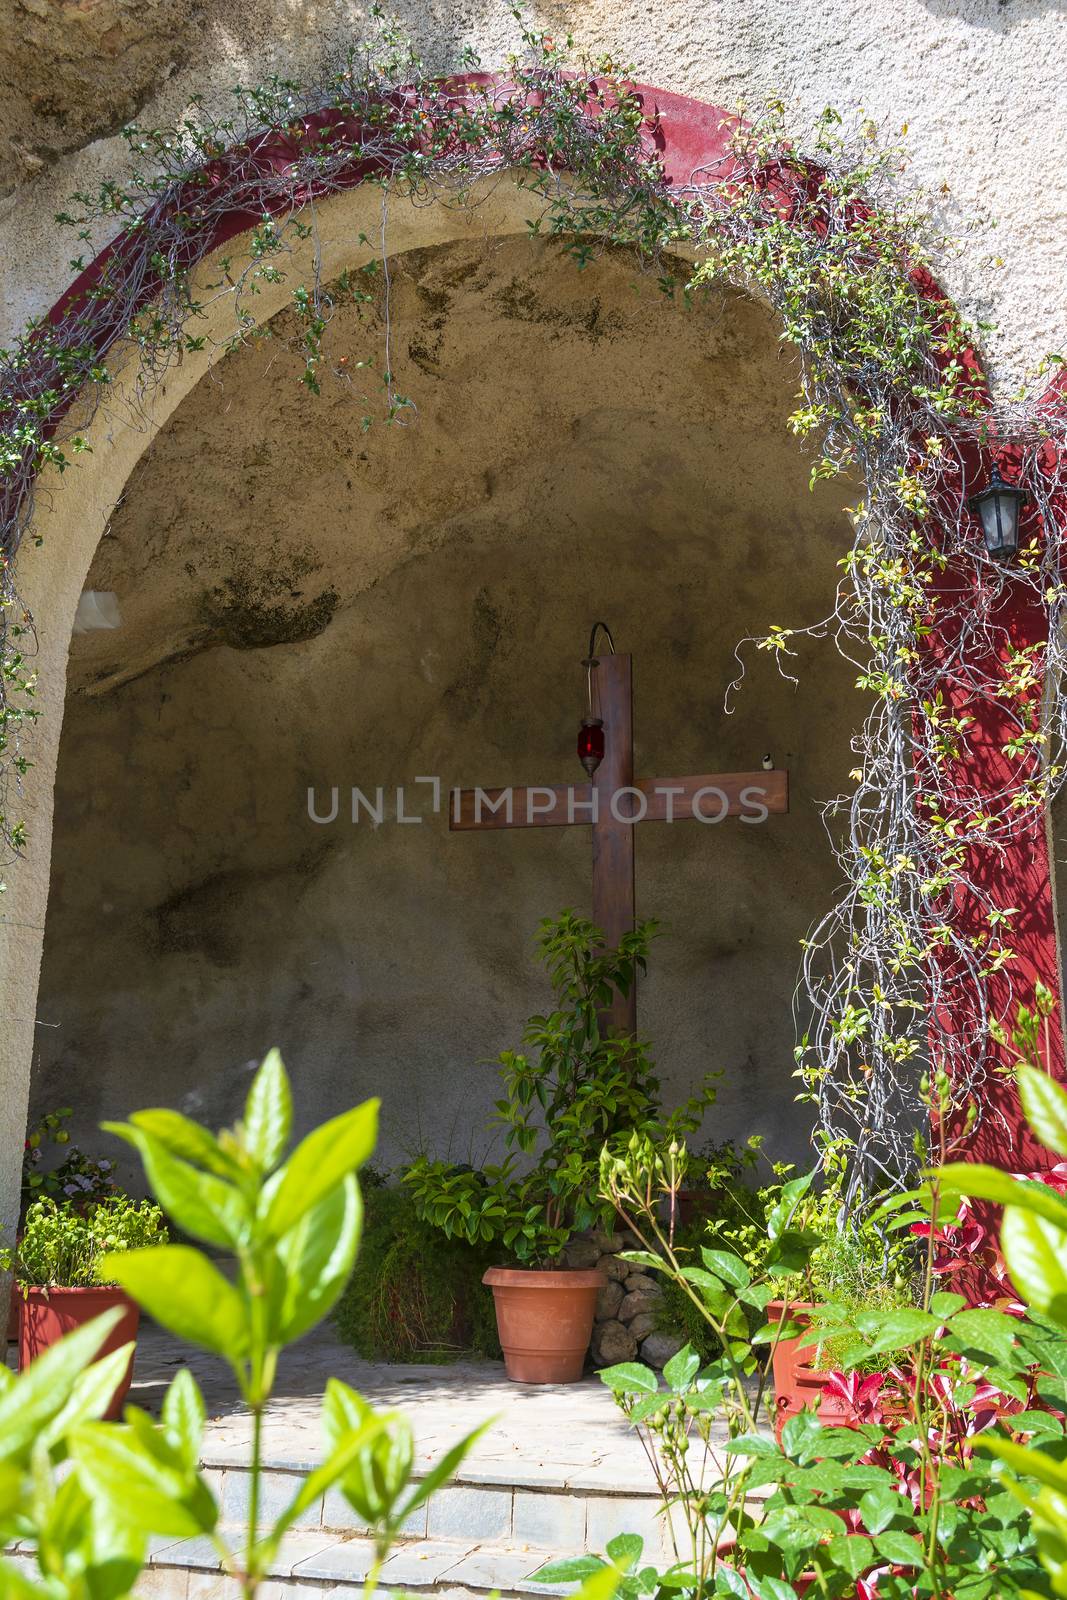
point(417, 1296)
point(575, 1092)
point(76, 1176)
point(64, 1246)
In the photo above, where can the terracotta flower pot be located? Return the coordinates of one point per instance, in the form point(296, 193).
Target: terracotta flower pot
point(545, 1321)
point(47, 1314)
point(797, 1385)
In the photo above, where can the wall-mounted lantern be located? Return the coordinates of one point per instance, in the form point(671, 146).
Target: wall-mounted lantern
point(998, 506)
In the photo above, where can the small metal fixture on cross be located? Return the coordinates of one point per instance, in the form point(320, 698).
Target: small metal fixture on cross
point(612, 802)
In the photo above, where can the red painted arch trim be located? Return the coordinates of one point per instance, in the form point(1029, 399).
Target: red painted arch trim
point(689, 136)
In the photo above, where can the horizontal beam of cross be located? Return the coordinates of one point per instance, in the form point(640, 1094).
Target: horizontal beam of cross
point(707, 797)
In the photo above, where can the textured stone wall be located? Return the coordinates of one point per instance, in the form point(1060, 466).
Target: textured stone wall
point(978, 82)
point(629, 1320)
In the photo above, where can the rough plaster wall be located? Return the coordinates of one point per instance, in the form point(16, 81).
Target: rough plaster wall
point(978, 81)
point(306, 603)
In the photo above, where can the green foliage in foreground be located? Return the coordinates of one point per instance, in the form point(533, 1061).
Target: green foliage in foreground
point(910, 1499)
point(1033, 1238)
point(417, 1296)
point(292, 1222)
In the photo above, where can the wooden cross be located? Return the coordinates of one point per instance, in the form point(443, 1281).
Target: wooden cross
point(612, 804)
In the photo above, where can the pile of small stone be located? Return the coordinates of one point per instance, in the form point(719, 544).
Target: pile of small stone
point(629, 1316)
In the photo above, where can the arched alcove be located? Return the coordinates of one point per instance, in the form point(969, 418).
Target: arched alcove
point(305, 602)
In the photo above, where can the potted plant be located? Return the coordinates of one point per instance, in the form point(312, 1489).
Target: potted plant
point(853, 1268)
point(570, 1093)
point(75, 1177)
point(58, 1264)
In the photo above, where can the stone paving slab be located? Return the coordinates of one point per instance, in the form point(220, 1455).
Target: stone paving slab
point(554, 1437)
point(188, 1569)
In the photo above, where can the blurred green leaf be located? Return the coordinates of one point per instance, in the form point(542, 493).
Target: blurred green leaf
point(268, 1113)
point(184, 1416)
point(1045, 1104)
point(42, 1391)
point(1036, 1253)
point(316, 1258)
point(317, 1165)
point(180, 1288)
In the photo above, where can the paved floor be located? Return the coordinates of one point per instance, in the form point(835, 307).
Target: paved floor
point(567, 1437)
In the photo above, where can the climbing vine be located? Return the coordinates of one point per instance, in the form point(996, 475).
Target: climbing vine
point(956, 652)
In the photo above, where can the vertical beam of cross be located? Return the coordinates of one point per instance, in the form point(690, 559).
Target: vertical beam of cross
point(614, 803)
point(614, 899)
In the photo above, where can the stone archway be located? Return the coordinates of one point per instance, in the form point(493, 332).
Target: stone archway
point(304, 603)
point(71, 524)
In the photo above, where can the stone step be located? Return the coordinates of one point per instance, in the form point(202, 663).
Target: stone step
point(561, 1510)
point(320, 1563)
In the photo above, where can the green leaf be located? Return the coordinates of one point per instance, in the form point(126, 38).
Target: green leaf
point(897, 1330)
point(318, 1164)
point(571, 1570)
point(181, 1136)
point(205, 1206)
point(184, 1416)
point(644, 1258)
point(600, 1585)
point(986, 1330)
point(852, 1553)
point(767, 1588)
point(727, 1581)
point(1045, 1104)
point(1035, 1251)
point(682, 1368)
point(625, 1550)
point(879, 1506)
point(180, 1288)
point(268, 1113)
point(93, 1391)
point(945, 1305)
point(799, 1432)
point(990, 1183)
point(140, 1490)
point(45, 1387)
point(900, 1548)
point(630, 1377)
point(752, 1444)
point(316, 1259)
point(715, 1297)
point(1027, 1462)
point(725, 1265)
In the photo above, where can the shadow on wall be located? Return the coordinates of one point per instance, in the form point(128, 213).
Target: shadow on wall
point(995, 16)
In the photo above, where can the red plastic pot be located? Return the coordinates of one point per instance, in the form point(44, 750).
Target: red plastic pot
point(545, 1321)
point(48, 1314)
point(797, 1385)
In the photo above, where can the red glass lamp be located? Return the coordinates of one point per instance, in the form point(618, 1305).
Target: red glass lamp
point(591, 744)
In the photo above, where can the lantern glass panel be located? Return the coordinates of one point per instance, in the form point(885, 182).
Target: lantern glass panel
point(1000, 515)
